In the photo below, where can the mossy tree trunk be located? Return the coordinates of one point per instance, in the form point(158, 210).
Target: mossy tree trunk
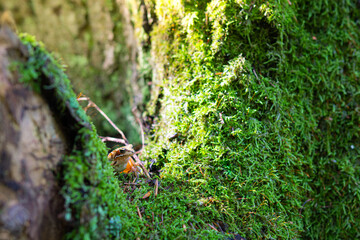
point(31, 146)
point(55, 179)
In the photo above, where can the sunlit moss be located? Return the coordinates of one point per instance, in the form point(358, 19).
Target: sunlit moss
point(263, 99)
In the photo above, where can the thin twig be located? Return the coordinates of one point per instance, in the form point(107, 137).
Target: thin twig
point(156, 187)
point(218, 225)
point(87, 107)
point(138, 210)
point(137, 176)
point(141, 165)
point(255, 74)
point(104, 115)
point(302, 207)
point(212, 227)
point(111, 139)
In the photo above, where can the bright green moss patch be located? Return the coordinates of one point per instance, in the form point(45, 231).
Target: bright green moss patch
point(95, 207)
point(264, 99)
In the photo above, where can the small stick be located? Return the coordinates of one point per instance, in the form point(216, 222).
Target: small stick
point(216, 224)
point(156, 187)
point(255, 74)
point(104, 115)
point(201, 171)
point(138, 210)
point(212, 227)
point(137, 176)
point(111, 139)
point(87, 107)
point(137, 160)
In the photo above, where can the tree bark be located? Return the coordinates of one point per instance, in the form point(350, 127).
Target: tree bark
point(31, 146)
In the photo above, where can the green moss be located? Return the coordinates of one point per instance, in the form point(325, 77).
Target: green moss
point(264, 99)
point(95, 206)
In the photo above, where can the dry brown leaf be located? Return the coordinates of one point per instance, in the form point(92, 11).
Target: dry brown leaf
point(146, 195)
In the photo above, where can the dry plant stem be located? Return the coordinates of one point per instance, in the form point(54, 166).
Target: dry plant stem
point(141, 165)
point(136, 178)
point(156, 187)
point(111, 139)
point(104, 115)
point(138, 210)
point(87, 107)
point(212, 227)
